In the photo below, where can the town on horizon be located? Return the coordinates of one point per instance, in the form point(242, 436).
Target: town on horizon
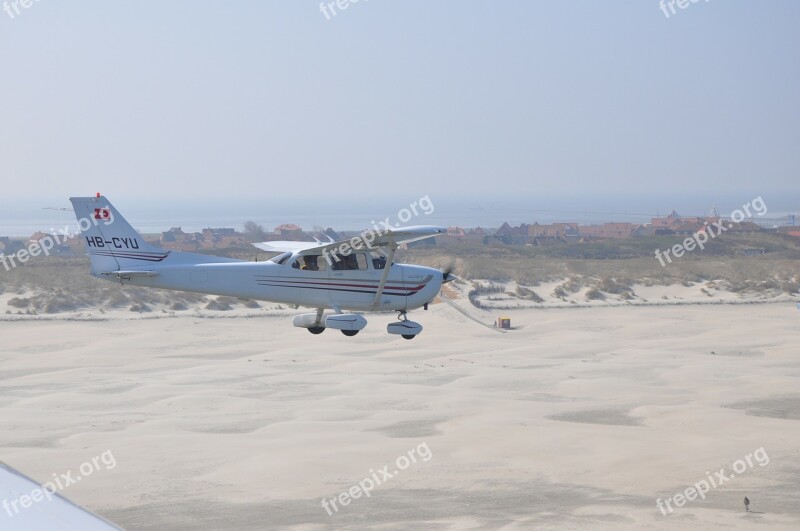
point(221, 238)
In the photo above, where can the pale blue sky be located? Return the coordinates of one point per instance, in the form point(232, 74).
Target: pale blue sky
point(267, 99)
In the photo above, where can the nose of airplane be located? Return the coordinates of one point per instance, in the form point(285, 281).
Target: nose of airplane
point(447, 275)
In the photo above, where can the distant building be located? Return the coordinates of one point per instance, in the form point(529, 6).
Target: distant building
point(477, 234)
point(212, 238)
point(175, 234)
point(794, 232)
point(504, 230)
point(289, 230)
point(456, 232)
point(618, 230)
point(214, 234)
point(556, 231)
point(745, 226)
point(688, 228)
point(607, 230)
point(208, 239)
point(513, 235)
point(38, 236)
point(668, 222)
point(57, 249)
point(674, 223)
point(332, 234)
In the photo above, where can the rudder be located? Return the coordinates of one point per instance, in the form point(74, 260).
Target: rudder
point(111, 243)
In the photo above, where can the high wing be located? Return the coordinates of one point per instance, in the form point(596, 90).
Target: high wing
point(285, 246)
point(366, 239)
point(406, 235)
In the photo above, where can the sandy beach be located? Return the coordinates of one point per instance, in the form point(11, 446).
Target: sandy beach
point(578, 418)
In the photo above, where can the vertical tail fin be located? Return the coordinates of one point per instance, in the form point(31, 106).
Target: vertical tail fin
point(111, 243)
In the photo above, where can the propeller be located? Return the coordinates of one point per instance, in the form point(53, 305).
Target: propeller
point(447, 274)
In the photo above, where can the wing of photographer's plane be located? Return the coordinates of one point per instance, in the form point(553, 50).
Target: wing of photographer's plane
point(28, 506)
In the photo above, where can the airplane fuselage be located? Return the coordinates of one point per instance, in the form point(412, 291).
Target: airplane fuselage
point(407, 286)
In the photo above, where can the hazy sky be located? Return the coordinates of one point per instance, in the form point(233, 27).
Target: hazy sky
point(271, 99)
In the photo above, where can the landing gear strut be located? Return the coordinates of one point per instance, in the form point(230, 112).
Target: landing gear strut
point(312, 322)
point(403, 316)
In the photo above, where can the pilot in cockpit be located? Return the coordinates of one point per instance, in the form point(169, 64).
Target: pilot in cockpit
point(310, 263)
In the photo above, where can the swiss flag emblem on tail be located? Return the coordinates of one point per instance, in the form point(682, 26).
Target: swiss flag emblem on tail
point(102, 213)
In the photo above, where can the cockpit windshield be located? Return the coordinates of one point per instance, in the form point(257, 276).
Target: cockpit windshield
point(281, 258)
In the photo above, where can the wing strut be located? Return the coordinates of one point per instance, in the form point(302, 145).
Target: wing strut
point(385, 276)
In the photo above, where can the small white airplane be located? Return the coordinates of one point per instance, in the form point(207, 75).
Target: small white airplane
point(339, 276)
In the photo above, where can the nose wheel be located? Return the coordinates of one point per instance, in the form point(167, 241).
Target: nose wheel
point(404, 328)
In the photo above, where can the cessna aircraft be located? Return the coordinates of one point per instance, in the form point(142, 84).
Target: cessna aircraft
point(338, 276)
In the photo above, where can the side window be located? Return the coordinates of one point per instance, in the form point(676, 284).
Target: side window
point(378, 261)
point(351, 262)
point(310, 263)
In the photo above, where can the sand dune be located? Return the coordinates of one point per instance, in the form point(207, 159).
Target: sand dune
point(579, 418)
